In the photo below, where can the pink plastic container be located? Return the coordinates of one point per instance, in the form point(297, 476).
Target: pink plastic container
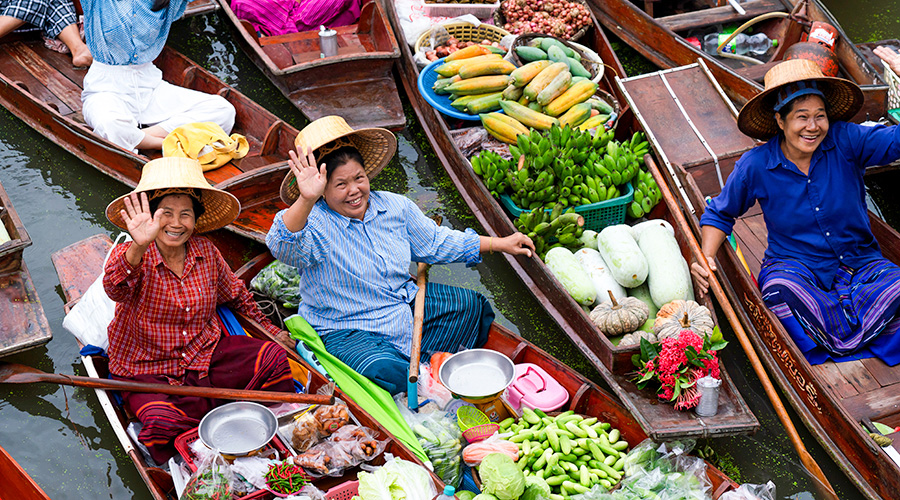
point(534, 388)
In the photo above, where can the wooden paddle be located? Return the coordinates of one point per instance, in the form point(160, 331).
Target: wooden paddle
point(412, 388)
point(758, 367)
point(12, 373)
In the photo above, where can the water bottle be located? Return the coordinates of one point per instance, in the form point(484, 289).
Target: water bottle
point(757, 44)
point(448, 493)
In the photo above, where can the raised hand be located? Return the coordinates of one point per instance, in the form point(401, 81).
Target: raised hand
point(888, 56)
point(310, 180)
point(141, 224)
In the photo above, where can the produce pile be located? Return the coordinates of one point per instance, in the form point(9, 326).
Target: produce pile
point(560, 456)
point(453, 45)
point(551, 17)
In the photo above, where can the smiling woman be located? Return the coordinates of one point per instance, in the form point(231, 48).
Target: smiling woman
point(823, 274)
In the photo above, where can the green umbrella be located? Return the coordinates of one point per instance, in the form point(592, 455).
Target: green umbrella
point(372, 398)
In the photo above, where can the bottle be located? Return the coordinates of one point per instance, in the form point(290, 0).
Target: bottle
point(757, 44)
point(448, 494)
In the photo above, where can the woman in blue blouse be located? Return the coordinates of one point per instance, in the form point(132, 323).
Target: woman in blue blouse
point(354, 248)
point(822, 274)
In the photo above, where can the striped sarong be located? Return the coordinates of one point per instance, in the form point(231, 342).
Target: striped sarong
point(237, 363)
point(455, 318)
point(851, 319)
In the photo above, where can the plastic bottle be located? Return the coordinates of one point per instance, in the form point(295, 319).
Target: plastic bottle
point(448, 494)
point(757, 44)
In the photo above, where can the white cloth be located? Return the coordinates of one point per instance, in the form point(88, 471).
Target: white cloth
point(118, 100)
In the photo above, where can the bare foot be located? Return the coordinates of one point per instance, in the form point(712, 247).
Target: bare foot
point(82, 57)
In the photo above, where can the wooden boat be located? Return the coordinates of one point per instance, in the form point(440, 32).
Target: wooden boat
point(357, 83)
point(79, 264)
point(837, 402)
point(16, 482)
point(24, 324)
point(614, 363)
point(662, 41)
point(41, 87)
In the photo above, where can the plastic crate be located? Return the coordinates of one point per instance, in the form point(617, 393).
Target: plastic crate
point(596, 215)
point(893, 82)
point(344, 491)
point(479, 10)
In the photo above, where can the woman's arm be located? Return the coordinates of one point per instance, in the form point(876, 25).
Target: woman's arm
point(311, 184)
point(514, 244)
point(711, 239)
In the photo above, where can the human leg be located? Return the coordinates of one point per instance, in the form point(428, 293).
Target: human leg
point(70, 36)
point(370, 355)
point(875, 299)
point(241, 362)
point(454, 317)
point(111, 118)
point(8, 24)
point(172, 106)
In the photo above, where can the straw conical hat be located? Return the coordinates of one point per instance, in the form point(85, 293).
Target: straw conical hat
point(376, 145)
point(843, 98)
point(220, 207)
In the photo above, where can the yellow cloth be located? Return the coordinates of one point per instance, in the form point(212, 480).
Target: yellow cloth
point(206, 142)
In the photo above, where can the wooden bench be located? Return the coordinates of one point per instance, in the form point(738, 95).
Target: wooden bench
point(719, 15)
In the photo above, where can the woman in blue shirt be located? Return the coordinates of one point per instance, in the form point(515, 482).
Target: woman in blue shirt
point(354, 248)
point(822, 274)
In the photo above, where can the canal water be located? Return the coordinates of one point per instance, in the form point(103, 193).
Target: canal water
point(60, 436)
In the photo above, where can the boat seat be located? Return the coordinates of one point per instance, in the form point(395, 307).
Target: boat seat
point(757, 72)
point(719, 15)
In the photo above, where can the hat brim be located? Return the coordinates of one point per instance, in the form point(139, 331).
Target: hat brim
point(843, 100)
point(220, 208)
point(376, 145)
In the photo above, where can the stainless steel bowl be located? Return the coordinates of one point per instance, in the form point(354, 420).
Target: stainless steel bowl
point(238, 428)
point(477, 373)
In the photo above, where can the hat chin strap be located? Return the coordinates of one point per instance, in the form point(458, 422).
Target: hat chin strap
point(334, 145)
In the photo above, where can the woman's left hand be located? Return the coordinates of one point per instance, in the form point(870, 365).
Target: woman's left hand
point(284, 337)
point(888, 56)
point(515, 244)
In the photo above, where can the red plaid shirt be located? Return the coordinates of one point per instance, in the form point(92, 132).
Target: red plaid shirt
point(164, 324)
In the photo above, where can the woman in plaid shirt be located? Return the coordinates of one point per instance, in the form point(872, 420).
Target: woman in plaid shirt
point(56, 18)
point(167, 283)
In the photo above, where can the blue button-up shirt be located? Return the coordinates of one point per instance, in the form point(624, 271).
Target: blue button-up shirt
point(120, 32)
point(820, 219)
point(355, 274)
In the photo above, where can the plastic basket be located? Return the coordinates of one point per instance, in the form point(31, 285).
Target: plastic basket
point(893, 82)
point(344, 491)
point(480, 432)
point(426, 80)
point(465, 32)
point(592, 66)
point(479, 10)
point(596, 215)
point(469, 416)
point(500, 19)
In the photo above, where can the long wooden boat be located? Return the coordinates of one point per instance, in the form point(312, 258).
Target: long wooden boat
point(357, 83)
point(41, 87)
point(80, 263)
point(16, 482)
point(614, 363)
point(836, 401)
point(662, 41)
point(24, 324)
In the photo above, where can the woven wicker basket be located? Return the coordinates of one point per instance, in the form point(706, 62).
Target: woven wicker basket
point(593, 67)
point(465, 32)
point(500, 19)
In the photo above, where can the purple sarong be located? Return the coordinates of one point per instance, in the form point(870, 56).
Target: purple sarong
point(851, 319)
point(281, 17)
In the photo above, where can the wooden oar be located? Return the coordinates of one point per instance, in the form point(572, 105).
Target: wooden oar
point(412, 387)
point(12, 373)
point(758, 367)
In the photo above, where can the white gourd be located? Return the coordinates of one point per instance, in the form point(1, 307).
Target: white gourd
point(568, 271)
point(668, 276)
point(638, 229)
point(598, 271)
point(589, 238)
point(623, 256)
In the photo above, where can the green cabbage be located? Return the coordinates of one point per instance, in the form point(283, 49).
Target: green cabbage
point(396, 480)
point(484, 496)
point(501, 477)
point(465, 495)
point(535, 488)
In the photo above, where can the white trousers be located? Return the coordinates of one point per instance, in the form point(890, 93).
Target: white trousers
point(118, 100)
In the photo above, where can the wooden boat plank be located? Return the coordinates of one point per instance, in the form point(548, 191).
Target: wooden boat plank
point(311, 35)
point(76, 272)
point(884, 374)
point(17, 483)
point(834, 380)
point(858, 376)
point(24, 324)
point(360, 101)
point(64, 89)
point(17, 73)
point(62, 63)
point(719, 15)
point(874, 405)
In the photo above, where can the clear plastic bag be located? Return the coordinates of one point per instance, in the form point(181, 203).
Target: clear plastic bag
point(212, 480)
point(359, 442)
point(751, 492)
point(305, 433)
point(347, 447)
point(280, 282)
point(431, 388)
point(331, 418)
point(440, 438)
point(475, 452)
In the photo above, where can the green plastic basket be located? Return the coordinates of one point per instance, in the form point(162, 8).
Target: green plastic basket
point(596, 215)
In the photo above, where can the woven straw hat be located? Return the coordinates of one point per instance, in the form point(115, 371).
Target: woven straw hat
point(757, 118)
point(376, 145)
point(173, 174)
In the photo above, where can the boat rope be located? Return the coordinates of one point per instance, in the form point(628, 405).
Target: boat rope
point(690, 122)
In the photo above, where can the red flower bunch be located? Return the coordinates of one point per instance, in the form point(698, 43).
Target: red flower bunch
point(677, 363)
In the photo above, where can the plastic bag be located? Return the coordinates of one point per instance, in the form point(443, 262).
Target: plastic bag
point(751, 492)
point(331, 418)
point(431, 388)
point(359, 442)
point(347, 447)
point(475, 452)
point(280, 282)
point(440, 438)
point(212, 481)
point(305, 433)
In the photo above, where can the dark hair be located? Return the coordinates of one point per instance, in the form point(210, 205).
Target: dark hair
point(341, 156)
point(789, 106)
point(198, 207)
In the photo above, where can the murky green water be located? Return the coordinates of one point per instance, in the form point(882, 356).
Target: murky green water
point(60, 435)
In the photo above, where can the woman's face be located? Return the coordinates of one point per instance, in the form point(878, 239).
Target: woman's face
point(176, 223)
point(804, 126)
point(347, 190)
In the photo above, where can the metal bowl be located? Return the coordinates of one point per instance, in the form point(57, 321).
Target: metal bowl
point(477, 373)
point(238, 428)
